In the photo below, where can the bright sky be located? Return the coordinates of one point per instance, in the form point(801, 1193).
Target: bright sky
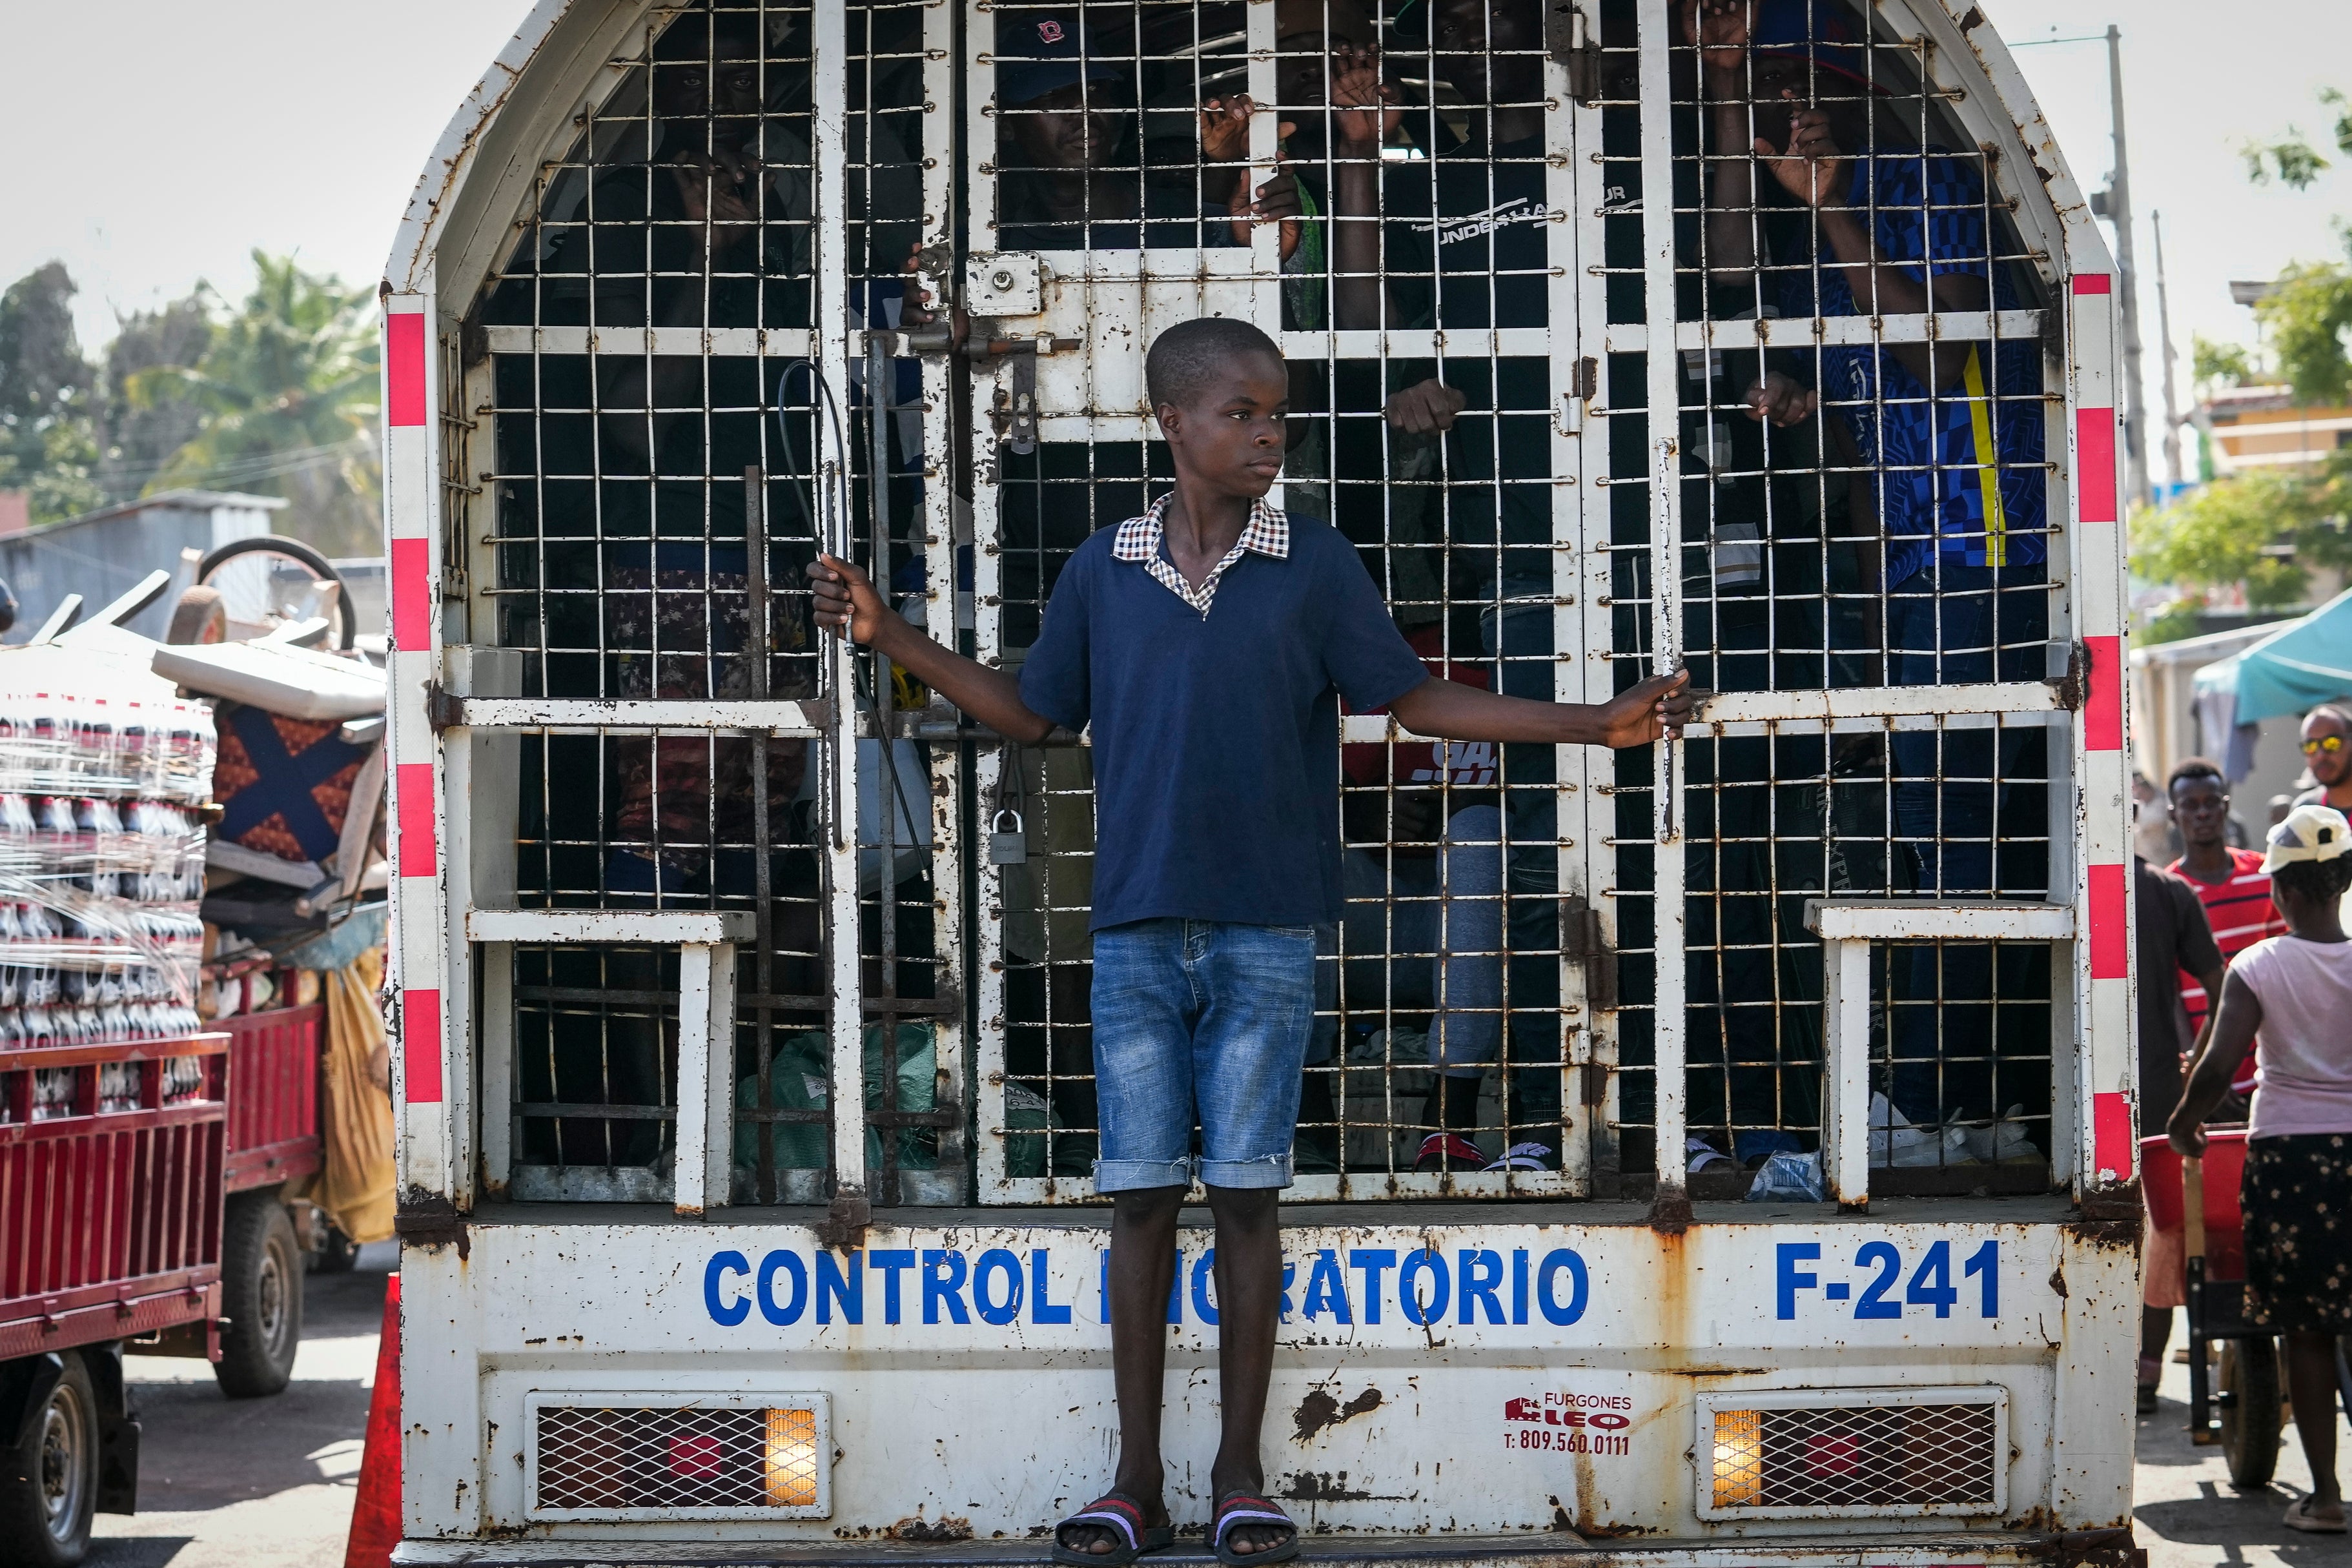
point(302, 124)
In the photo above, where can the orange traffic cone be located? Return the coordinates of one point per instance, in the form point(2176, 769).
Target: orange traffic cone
point(375, 1512)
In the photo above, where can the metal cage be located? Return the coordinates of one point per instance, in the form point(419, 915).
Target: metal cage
point(799, 933)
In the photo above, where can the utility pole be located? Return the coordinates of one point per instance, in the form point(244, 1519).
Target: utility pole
point(2118, 205)
point(2172, 475)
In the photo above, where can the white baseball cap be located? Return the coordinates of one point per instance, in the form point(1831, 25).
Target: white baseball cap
point(2313, 833)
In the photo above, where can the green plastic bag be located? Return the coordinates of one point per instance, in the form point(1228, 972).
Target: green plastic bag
point(1027, 1118)
point(796, 1078)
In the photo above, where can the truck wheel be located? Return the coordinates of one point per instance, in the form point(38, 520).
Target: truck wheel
point(2249, 1410)
point(48, 1483)
point(261, 1293)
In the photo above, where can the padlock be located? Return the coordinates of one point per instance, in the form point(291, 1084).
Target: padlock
point(1007, 848)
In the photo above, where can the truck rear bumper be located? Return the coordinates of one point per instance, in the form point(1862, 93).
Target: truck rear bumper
point(1887, 1550)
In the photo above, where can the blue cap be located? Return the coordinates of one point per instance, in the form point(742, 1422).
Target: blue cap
point(1037, 54)
point(1822, 31)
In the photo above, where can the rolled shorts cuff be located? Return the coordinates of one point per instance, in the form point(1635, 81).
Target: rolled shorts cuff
point(1141, 1176)
point(1270, 1171)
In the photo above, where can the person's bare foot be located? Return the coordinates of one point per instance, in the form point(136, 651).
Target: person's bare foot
point(1251, 1537)
point(2314, 1517)
point(1101, 1540)
point(1247, 1539)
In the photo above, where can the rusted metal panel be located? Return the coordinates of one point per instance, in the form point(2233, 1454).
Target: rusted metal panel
point(1515, 1362)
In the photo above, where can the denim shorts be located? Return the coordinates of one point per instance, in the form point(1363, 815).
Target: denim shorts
point(1199, 1023)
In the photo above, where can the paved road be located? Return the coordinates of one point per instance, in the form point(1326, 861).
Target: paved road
point(267, 1483)
point(2191, 1517)
point(255, 1483)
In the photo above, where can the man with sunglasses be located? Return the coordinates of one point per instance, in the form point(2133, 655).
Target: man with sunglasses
point(2327, 752)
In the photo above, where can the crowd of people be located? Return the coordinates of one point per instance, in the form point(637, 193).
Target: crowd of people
point(2245, 981)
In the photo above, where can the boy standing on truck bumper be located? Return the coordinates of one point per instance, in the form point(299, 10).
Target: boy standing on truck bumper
point(1206, 644)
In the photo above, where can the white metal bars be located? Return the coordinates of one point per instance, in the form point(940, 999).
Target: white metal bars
point(839, 750)
point(632, 651)
point(1662, 388)
point(1442, 188)
point(1931, 171)
point(1847, 932)
point(1581, 640)
point(706, 1021)
point(1773, 712)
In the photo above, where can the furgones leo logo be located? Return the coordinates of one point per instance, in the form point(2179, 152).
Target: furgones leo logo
point(1603, 1411)
point(1564, 1423)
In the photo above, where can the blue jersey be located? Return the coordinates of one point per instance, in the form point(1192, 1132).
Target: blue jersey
point(1960, 472)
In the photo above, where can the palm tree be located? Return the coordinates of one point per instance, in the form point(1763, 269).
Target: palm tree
point(288, 392)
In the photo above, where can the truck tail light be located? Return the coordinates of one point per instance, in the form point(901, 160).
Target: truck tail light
point(1738, 1459)
point(791, 1459)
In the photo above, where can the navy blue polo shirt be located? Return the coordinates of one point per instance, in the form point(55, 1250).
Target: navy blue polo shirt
point(1216, 736)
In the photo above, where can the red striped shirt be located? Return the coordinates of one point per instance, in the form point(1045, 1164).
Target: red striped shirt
point(2240, 912)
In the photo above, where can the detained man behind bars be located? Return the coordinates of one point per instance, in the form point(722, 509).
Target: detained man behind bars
point(1860, 214)
point(1829, 195)
point(1207, 644)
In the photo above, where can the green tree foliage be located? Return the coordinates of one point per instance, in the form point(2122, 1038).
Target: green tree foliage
point(287, 391)
point(2216, 366)
point(2292, 160)
point(275, 395)
point(48, 444)
point(2266, 529)
point(136, 443)
point(2306, 314)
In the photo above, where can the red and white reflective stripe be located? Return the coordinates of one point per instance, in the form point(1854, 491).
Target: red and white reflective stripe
point(420, 1046)
point(2113, 1143)
point(2094, 398)
point(410, 571)
point(2092, 306)
point(403, 366)
point(2102, 705)
point(419, 834)
point(418, 940)
point(2110, 929)
point(2098, 601)
point(2099, 605)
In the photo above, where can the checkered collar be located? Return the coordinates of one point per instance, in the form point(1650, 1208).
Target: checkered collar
point(1267, 533)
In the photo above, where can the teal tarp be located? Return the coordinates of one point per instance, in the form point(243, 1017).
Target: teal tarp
point(2302, 664)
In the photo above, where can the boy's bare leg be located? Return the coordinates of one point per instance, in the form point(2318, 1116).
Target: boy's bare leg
point(1142, 1269)
point(1249, 1308)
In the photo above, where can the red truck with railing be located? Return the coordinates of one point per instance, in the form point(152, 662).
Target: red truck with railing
point(141, 1209)
point(145, 1153)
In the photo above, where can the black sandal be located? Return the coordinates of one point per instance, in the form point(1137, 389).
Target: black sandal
point(1239, 1508)
point(1118, 1512)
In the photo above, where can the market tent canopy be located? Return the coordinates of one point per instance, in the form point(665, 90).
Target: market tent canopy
point(2302, 664)
point(2166, 719)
